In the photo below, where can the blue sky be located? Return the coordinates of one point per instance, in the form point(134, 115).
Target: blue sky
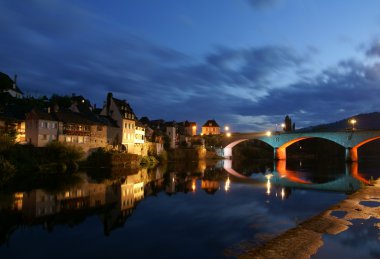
point(245, 63)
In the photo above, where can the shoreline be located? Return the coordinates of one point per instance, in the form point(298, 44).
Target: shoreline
point(304, 240)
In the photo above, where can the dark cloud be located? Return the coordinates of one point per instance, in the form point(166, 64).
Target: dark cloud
point(374, 49)
point(262, 3)
point(252, 88)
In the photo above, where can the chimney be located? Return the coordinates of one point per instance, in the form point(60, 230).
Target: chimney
point(15, 82)
point(109, 97)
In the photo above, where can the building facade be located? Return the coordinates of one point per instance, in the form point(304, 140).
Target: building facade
point(211, 127)
point(121, 112)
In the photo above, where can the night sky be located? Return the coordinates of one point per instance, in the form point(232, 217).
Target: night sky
point(245, 63)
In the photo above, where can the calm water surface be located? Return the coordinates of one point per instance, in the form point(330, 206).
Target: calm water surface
point(182, 211)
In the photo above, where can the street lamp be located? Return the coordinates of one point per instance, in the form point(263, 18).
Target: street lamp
point(226, 128)
point(268, 133)
point(353, 122)
point(283, 126)
point(194, 130)
point(228, 134)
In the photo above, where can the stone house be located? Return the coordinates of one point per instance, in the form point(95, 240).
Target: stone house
point(210, 128)
point(41, 128)
point(74, 128)
point(121, 112)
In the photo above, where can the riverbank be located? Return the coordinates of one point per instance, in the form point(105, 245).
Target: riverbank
point(304, 240)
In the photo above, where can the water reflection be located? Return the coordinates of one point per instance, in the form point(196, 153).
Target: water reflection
point(287, 179)
point(216, 193)
point(113, 199)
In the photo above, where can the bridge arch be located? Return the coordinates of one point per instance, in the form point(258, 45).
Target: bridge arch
point(227, 151)
point(280, 152)
point(352, 152)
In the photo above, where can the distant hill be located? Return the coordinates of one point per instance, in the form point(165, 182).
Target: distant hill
point(367, 121)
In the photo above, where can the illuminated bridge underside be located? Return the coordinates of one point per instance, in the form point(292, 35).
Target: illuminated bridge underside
point(350, 140)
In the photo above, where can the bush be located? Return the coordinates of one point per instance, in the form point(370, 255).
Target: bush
point(61, 152)
point(148, 161)
point(7, 171)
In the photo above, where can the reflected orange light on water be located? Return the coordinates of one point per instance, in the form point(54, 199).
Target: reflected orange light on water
point(269, 176)
point(227, 185)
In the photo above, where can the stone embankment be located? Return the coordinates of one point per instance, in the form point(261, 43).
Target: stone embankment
point(304, 240)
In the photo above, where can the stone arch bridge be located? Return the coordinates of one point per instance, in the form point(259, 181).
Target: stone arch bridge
point(350, 140)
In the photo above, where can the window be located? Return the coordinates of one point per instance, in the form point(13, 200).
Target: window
point(53, 137)
point(45, 125)
point(80, 139)
point(44, 137)
point(54, 125)
point(68, 139)
point(99, 128)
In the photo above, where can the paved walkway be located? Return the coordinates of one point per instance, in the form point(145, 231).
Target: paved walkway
point(304, 240)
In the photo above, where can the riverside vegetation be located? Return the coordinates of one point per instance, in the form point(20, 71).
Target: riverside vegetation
point(57, 162)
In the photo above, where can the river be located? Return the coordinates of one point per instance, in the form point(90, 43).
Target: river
point(198, 210)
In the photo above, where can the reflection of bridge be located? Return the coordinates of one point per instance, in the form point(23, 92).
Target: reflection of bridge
point(350, 140)
point(282, 177)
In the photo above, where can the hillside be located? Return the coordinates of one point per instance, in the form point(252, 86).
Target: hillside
point(367, 121)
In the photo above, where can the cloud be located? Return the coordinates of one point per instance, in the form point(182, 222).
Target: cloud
point(262, 3)
point(374, 49)
point(250, 88)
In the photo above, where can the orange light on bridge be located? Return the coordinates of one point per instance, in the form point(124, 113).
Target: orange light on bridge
point(228, 134)
point(268, 133)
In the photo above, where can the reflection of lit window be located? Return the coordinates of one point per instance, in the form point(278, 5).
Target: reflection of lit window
point(227, 186)
point(67, 194)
